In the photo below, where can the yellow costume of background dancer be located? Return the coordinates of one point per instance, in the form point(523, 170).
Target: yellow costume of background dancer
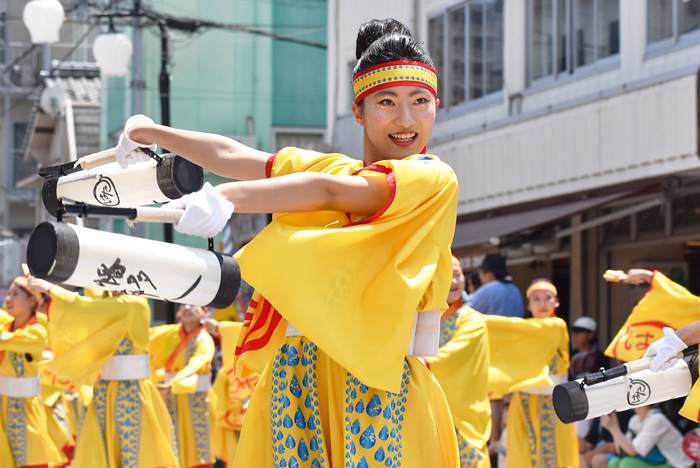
point(127, 423)
point(24, 439)
point(528, 356)
point(189, 357)
point(346, 392)
point(232, 395)
point(462, 369)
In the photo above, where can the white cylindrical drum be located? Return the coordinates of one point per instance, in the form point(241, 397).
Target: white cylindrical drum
point(138, 185)
point(76, 256)
point(576, 401)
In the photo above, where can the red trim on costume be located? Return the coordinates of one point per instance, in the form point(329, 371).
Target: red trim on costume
point(391, 180)
point(651, 284)
point(424, 150)
point(185, 339)
point(393, 84)
point(268, 165)
point(261, 322)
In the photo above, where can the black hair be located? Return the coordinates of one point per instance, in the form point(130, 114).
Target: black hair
point(380, 41)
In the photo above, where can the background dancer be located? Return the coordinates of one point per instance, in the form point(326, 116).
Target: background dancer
point(462, 369)
point(181, 355)
point(361, 246)
point(535, 435)
point(127, 423)
point(24, 438)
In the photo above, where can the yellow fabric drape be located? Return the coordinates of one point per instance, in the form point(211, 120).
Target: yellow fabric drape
point(24, 437)
point(510, 338)
point(126, 423)
point(400, 261)
point(462, 369)
point(666, 304)
point(232, 395)
point(192, 412)
point(346, 391)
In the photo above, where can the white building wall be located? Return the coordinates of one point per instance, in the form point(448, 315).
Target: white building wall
point(628, 118)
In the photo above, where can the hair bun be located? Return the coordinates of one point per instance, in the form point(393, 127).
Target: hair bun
point(374, 29)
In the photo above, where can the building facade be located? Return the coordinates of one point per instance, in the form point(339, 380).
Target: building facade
point(572, 128)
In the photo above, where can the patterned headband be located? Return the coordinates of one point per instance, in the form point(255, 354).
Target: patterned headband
point(390, 74)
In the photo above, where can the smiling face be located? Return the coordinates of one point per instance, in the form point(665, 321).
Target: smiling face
point(457, 286)
point(190, 316)
point(398, 122)
point(542, 304)
point(19, 303)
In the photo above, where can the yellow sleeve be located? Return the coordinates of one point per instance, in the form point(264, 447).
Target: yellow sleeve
point(229, 332)
point(666, 304)
point(186, 380)
point(31, 339)
point(292, 160)
point(162, 342)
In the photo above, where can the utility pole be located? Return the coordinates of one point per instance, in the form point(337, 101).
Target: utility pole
point(137, 84)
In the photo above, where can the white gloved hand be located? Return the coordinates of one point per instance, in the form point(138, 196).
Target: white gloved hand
point(126, 148)
point(664, 351)
point(206, 212)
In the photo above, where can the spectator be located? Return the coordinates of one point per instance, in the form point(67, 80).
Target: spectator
point(497, 294)
point(586, 358)
point(651, 440)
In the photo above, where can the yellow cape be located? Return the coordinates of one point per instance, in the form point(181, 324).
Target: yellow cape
point(352, 287)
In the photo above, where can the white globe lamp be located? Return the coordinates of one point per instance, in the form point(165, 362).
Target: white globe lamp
point(43, 19)
point(113, 52)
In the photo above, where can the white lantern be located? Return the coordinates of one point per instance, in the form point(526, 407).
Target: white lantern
point(113, 51)
point(43, 19)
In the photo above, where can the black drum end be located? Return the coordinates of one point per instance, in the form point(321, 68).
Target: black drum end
point(177, 176)
point(49, 196)
point(570, 402)
point(230, 282)
point(52, 252)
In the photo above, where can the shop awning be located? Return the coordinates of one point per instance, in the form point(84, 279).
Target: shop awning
point(481, 231)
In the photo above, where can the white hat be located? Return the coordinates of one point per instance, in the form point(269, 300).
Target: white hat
point(585, 323)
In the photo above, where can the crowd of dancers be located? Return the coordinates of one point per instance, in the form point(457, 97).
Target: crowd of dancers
point(357, 348)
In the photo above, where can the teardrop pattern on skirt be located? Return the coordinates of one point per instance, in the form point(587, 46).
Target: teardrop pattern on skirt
point(297, 437)
point(448, 328)
point(373, 424)
point(16, 416)
point(373, 419)
point(469, 455)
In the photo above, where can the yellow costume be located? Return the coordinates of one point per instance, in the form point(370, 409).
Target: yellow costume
point(462, 370)
point(127, 423)
point(528, 357)
point(232, 396)
point(186, 359)
point(24, 438)
point(666, 304)
point(345, 391)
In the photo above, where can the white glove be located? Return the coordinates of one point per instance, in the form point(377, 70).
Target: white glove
point(206, 212)
point(664, 351)
point(126, 148)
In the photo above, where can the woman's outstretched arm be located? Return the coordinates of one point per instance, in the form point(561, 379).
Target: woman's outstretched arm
point(308, 191)
point(221, 155)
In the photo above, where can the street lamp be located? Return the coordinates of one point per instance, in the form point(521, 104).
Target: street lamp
point(43, 19)
point(113, 52)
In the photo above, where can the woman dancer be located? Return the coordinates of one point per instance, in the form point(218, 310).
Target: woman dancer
point(24, 438)
point(184, 352)
point(535, 435)
point(356, 249)
point(103, 342)
point(462, 368)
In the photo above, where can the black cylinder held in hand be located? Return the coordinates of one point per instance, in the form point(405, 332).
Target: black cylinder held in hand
point(139, 185)
point(76, 256)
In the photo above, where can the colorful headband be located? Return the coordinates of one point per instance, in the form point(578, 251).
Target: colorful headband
point(541, 286)
point(455, 261)
point(22, 282)
point(390, 74)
